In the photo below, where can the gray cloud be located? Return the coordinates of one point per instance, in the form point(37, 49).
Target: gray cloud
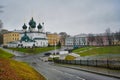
point(72, 16)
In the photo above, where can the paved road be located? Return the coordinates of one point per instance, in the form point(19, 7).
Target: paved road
point(52, 72)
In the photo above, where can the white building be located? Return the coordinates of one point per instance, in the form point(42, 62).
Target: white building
point(69, 41)
point(31, 37)
point(76, 41)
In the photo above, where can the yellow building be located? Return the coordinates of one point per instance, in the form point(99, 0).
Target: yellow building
point(53, 38)
point(115, 42)
point(9, 37)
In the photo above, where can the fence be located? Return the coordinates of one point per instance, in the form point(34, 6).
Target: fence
point(112, 64)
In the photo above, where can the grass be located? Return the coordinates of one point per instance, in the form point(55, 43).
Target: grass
point(82, 49)
point(4, 54)
point(25, 71)
point(98, 50)
point(69, 57)
point(33, 50)
point(14, 70)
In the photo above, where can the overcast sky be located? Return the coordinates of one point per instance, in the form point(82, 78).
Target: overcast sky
point(71, 16)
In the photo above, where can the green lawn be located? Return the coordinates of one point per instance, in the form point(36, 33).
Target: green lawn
point(82, 49)
point(33, 50)
point(98, 50)
point(4, 54)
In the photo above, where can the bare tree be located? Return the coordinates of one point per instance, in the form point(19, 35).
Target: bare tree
point(91, 39)
point(99, 40)
point(1, 24)
point(117, 37)
point(63, 35)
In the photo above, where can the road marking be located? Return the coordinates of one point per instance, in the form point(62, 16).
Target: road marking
point(77, 77)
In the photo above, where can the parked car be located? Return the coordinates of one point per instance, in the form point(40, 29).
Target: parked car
point(47, 54)
point(69, 50)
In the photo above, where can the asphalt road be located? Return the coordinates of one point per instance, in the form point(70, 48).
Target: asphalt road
point(52, 72)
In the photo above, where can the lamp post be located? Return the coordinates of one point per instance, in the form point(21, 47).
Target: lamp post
point(55, 50)
point(55, 46)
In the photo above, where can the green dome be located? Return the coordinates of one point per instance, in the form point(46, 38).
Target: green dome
point(39, 26)
point(32, 23)
point(24, 26)
point(25, 38)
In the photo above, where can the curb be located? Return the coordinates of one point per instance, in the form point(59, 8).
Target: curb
point(90, 71)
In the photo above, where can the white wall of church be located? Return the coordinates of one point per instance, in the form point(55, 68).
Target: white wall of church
point(27, 44)
point(34, 35)
point(41, 43)
point(12, 45)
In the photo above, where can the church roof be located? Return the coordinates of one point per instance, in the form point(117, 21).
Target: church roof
point(26, 38)
point(32, 23)
point(24, 26)
point(39, 26)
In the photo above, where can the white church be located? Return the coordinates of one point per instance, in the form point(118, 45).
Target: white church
point(31, 37)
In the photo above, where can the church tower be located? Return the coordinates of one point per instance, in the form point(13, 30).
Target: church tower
point(32, 25)
point(24, 27)
point(40, 28)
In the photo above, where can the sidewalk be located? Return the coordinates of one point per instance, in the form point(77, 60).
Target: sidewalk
point(96, 70)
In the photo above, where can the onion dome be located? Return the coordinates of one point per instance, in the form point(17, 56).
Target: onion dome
point(39, 26)
point(24, 26)
point(25, 38)
point(32, 23)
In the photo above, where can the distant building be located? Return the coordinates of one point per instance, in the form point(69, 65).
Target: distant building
point(97, 40)
point(115, 42)
point(76, 41)
point(69, 42)
point(8, 36)
point(116, 38)
point(3, 31)
point(53, 38)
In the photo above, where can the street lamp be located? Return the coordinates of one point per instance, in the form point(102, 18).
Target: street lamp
point(55, 46)
point(55, 50)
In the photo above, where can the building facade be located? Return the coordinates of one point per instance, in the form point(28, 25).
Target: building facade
point(97, 40)
point(69, 42)
point(7, 37)
point(76, 41)
point(53, 38)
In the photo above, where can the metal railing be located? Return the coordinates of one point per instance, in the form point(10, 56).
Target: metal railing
point(112, 64)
